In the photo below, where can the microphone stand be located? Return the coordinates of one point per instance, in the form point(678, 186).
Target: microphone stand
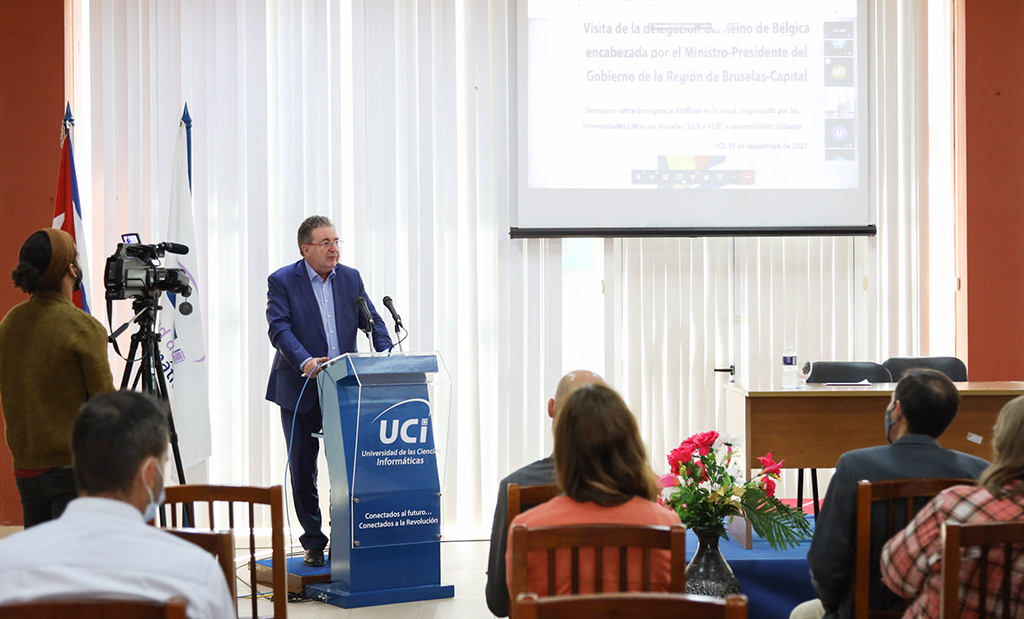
point(369, 338)
point(399, 343)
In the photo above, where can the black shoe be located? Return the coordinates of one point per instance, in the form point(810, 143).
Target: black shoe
point(314, 558)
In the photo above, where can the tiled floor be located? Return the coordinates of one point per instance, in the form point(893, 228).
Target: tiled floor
point(463, 564)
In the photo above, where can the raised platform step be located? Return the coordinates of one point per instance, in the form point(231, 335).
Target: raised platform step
point(300, 575)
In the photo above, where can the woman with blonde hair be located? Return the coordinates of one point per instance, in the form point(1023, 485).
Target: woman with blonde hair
point(911, 564)
point(601, 466)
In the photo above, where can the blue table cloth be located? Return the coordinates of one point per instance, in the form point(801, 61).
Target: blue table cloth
point(773, 581)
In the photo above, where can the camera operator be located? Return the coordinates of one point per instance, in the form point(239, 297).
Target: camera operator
point(53, 357)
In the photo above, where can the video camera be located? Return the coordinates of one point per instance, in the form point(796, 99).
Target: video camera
point(134, 272)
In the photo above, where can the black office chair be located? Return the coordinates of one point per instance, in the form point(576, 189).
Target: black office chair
point(950, 366)
point(838, 372)
point(848, 372)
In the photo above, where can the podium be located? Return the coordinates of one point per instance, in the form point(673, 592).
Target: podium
point(385, 422)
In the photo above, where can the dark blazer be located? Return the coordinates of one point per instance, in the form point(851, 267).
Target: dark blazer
point(496, 590)
point(832, 551)
point(297, 330)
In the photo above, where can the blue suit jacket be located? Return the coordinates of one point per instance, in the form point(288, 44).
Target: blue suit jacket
point(297, 330)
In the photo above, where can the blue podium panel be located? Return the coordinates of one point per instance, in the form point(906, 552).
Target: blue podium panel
point(385, 490)
point(395, 487)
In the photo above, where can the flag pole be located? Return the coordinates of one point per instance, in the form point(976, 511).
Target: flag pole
point(67, 212)
point(185, 118)
point(67, 126)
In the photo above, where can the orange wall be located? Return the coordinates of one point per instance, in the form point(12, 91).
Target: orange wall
point(31, 108)
point(990, 179)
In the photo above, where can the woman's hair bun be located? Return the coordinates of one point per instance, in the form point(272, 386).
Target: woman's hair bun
point(27, 277)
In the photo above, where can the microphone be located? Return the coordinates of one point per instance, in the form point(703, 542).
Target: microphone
point(174, 248)
point(388, 303)
point(361, 302)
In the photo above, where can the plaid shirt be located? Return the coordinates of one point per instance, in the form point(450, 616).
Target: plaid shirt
point(912, 560)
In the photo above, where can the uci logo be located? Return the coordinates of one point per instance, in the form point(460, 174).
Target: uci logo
point(405, 431)
point(411, 430)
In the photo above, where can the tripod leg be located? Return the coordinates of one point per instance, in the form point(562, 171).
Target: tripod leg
point(163, 395)
point(134, 348)
point(187, 516)
point(146, 370)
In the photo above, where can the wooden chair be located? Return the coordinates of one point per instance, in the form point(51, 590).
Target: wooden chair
point(837, 372)
point(221, 544)
point(251, 496)
point(175, 608)
point(956, 537)
point(522, 498)
point(599, 538)
point(905, 495)
point(619, 605)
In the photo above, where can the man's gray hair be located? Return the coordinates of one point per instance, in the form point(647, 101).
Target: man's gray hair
point(307, 227)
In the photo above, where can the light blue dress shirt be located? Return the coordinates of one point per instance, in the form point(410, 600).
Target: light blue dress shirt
point(324, 293)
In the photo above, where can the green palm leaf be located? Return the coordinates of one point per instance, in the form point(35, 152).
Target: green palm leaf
point(782, 526)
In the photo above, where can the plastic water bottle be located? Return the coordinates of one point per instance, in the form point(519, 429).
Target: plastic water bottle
point(789, 380)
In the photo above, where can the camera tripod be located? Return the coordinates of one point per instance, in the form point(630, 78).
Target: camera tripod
point(150, 371)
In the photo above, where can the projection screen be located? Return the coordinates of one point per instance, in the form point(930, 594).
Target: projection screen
point(691, 117)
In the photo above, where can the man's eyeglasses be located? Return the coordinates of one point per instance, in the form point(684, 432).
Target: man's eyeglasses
point(326, 244)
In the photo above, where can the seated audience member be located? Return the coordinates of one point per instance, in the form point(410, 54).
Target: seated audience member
point(536, 473)
point(101, 547)
point(601, 465)
point(922, 407)
point(911, 561)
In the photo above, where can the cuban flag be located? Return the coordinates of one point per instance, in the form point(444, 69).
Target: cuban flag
point(67, 213)
point(182, 345)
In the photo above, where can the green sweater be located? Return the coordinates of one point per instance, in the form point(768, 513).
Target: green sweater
point(53, 357)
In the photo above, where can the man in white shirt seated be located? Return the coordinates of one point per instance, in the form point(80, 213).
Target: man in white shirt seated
point(101, 547)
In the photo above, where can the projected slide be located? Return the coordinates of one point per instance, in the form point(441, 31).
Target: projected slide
point(694, 96)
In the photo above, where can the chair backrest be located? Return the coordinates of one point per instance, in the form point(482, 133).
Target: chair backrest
point(950, 366)
point(615, 605)
point(250, 496)
point(175, 608)
point(522, 498)
point(599, 539)
point(901, 499)
point(991, 537)
point(221, 544)
point(848, 372)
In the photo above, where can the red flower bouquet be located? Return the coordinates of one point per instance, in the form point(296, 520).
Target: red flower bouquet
point(704, 486)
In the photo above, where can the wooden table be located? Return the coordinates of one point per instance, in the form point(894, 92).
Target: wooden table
point(812, 426)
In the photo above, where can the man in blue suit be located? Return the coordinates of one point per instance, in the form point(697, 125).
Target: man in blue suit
point(313, 317)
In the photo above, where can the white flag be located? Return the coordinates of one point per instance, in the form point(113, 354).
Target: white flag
point(182, 350)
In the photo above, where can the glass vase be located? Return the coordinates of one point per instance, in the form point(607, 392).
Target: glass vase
point(708, 573)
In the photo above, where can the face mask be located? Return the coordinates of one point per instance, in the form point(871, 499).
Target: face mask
point(78, 279)
point(888, 420)
point(154, 504)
